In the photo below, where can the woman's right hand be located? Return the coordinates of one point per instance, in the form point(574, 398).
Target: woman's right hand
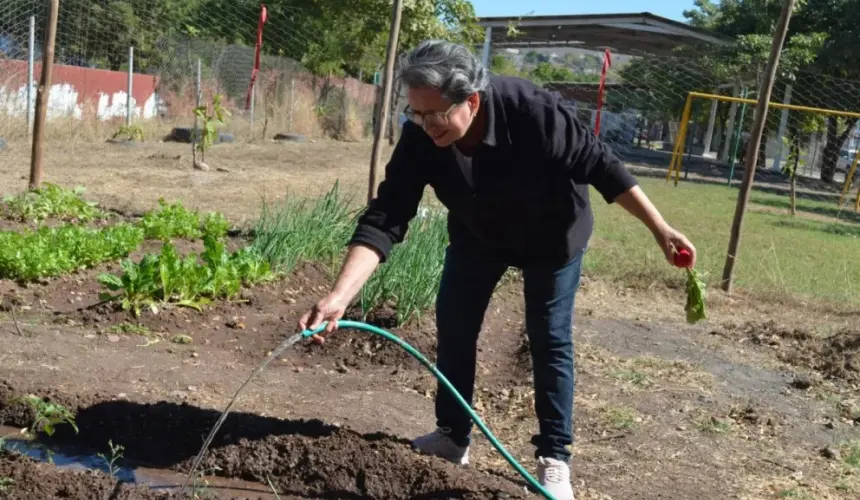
point(329, 309)
point(359, 264)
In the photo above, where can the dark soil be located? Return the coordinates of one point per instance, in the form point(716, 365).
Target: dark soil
point(307, 458)
point(835, 357)
point(28, 479)
point(253, 324)
point(345, 464)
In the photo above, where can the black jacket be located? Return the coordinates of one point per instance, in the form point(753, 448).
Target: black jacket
point(523, 197)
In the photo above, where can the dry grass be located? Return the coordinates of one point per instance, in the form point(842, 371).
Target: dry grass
point(316, 110)
point(111, 173)
point(794, 486)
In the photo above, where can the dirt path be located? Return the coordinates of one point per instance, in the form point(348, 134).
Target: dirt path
point(149, 171)
point(657, 404)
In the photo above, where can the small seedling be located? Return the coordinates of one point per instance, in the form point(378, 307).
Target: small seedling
point(210, 122)
point(48, 415)
point(201, 485)
point(115, 454)
point(182, 339)
point(130, 328)
point(5, 484)
point(129, 133)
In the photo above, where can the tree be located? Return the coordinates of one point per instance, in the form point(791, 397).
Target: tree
point(823, 39)
point(339, 37)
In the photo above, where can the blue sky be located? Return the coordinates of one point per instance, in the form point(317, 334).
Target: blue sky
point(671, 9)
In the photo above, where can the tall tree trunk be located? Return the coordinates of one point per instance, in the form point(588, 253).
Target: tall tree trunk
point(833, 146)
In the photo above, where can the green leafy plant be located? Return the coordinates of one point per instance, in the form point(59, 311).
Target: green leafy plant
point(169, 278)
point(410, 279)
point(5, 484)
point(51, 200)
point(47, 415)
point(116, 453)
point(53, 251)
point(216, 224)
point(696, 294)
point(210, 123)
point(169, 221)
point(130, 133)
point(173, 220)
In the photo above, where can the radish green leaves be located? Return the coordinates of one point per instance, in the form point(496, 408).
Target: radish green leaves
point(696, 295)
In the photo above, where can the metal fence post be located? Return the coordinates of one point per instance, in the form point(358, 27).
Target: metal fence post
point(292, 99)
point(253, 103)
point(31, 68)
point(197, 96)
point(128, 104)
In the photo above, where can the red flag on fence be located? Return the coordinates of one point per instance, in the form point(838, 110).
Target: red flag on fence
point(607, 62)
point(263, 17)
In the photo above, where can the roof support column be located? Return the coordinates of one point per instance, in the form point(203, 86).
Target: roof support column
point(783, 122)
point(712, 120)
point(487, 38)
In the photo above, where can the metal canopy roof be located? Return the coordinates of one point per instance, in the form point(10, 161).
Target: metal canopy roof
point(620, 33)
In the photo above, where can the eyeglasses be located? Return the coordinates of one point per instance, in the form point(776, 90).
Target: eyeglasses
point(419, 118)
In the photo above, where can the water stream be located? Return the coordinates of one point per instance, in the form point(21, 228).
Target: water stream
point(277, 352)
point(74, 458)
point(155, 478)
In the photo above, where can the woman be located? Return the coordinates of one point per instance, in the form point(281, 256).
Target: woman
point(512, 165)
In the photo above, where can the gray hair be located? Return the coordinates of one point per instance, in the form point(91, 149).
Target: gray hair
point(449, 67)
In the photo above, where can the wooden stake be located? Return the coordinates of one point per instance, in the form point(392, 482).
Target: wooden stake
point(386, 99)
point(42, 94)
point(755, 142)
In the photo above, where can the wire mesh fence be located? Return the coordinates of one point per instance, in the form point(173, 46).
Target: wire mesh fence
point(681, 119)
point(152, 62)
point(811, 127)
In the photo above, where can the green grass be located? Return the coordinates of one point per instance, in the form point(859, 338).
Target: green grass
point(851, 454)
point(780, 255)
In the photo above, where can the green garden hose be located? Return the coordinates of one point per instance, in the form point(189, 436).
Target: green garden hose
point(424, 361)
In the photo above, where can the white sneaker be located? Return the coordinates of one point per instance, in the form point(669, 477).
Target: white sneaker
point(554, 476)
point(438, 444)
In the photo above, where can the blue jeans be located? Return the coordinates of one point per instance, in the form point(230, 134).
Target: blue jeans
point(465, 291)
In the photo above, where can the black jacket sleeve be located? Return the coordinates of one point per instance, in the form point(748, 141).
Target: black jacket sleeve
point(386, 220)
point(570, 145)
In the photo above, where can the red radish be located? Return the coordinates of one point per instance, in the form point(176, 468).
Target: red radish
point(683, 258)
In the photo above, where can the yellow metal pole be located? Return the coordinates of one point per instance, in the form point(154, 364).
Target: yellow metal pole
point(857, 201)
point(674, 155)
point(849, 177)
point(682, 138)
point(779, 105)
point(675, 150)
point(683, 133)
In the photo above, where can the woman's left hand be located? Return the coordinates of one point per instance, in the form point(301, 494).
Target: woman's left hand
point(672, 242)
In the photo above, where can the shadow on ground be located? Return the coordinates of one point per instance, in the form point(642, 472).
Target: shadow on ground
point(307, 458)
